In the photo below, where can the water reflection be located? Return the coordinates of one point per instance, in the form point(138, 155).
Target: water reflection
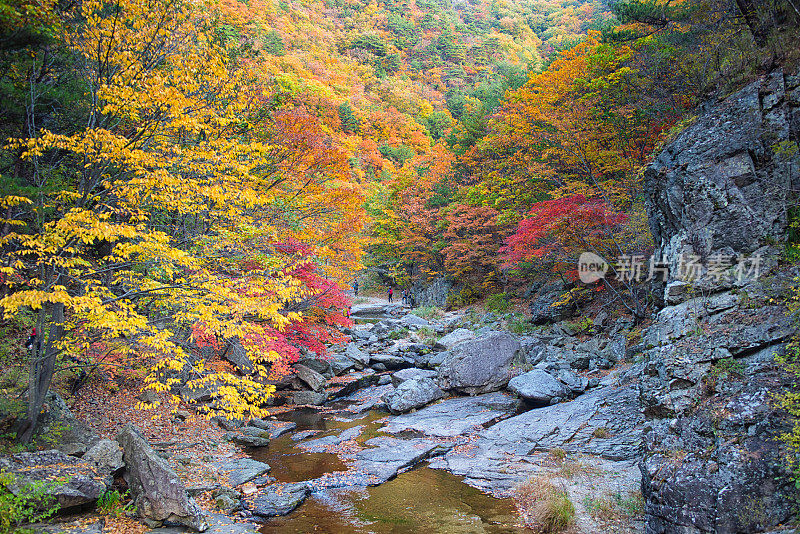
point(423, 500)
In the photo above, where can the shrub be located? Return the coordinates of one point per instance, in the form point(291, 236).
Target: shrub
point(111, 503)
point(544, 507)
point(498, 302)
point(428, 312)
point(32, 502)
point(613, 506)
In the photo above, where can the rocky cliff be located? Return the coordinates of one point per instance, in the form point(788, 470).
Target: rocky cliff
point(718, 197)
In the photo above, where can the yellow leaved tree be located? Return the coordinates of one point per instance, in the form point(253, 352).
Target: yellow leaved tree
point(141, 217)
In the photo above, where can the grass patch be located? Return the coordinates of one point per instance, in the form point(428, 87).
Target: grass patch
point(428, 312)
point(498, 303)
point(545, 508)
point(399, 334)
point(427, 335)
point(520, 325)
point(601, 432)
point(615, 506)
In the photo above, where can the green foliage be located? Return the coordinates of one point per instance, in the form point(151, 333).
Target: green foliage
point(399, 334)
point(615, 506)
point(112, 503)
point(273, 43)
point(28, 503)
point(428, 312)
point(520, 324)
point(499, 302)
point(466, 295)
point(727, 367)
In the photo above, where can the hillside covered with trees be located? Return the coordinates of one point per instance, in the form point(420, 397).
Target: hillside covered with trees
point(189, 190)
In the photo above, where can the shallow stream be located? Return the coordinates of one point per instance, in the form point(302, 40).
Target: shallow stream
point(421, 500)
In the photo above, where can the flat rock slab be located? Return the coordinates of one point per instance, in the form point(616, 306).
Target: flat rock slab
point(605, 422)
point(279, 499)
point(303, 434)
point(368, 309)
point(79, 482)
point(321, 444)
point(387, 457)
point(217, 524)
point(241, 470)
point(369, 398)
point(453, 417)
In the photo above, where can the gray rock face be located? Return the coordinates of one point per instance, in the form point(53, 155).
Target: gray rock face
point(705, 389)
point(410, 374)
point(537, 386)
point(719, 189)
point(453, 417)
point(313, 398)
point(340, 364)
point(280, 499)
point(377, 465)
point(574, 426)
point(320, 444)
point(321, 365)
point(412, 320)
point(720, 186)
point(237, 355)
point(454, 338)
point(313, 379)
point(479, 366)
point(432, 294)
point(74, 436)
point(414, 393)
point(545, 308)
point(106, 457)
point(157, 491)
point(360, 357)
point(241, 470)
point(83, 484)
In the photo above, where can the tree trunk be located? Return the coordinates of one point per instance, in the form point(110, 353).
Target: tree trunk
point(42, 367)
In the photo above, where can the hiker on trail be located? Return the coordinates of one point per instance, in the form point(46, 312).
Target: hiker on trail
point(390, 292)
point(405, 297)
point(355, 288)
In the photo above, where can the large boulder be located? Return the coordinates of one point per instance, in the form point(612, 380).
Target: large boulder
point(106, 457)
point(158, 493)
point(313, 379)
point(280, 499)
point(479, 366)
point(357, 355)
point(241, 470)
point(454, 338)
point(550, 306)
point(537, 387)
point(413, 394)
point(237, 355)
point(412, 320)
point(58, 425)
point(411, 373)
point(74, 481)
